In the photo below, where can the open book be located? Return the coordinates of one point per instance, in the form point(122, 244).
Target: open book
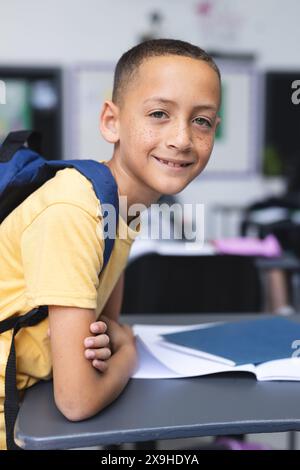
point(159, 358)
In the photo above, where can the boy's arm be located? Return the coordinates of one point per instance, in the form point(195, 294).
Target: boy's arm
point(79, 390)
point(112, 308)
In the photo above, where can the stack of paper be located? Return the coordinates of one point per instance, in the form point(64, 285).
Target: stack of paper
point(267, 348)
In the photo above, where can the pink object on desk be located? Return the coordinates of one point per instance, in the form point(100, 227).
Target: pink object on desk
point(268, 247)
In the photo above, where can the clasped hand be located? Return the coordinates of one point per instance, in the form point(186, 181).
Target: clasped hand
point(108, 337)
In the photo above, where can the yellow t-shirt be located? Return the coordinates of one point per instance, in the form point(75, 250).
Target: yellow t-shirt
point(51, 253)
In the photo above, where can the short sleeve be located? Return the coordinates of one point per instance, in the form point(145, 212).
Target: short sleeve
point(62, 257)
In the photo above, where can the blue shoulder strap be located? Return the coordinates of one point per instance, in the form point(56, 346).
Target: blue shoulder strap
point(23, 170)
point(104, 186)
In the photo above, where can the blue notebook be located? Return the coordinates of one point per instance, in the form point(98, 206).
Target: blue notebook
point(244, 341)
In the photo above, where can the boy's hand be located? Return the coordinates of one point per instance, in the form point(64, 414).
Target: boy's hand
point(97, 346)
point(119, 334)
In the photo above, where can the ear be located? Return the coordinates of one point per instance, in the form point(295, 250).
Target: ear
point(109, 122)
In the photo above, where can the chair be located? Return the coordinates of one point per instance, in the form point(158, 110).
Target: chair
point(277, 216)
point(157, 283)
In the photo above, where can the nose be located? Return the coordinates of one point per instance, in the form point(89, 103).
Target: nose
point(179, 137)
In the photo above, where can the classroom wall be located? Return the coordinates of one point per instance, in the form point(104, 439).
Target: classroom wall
point(66, 32)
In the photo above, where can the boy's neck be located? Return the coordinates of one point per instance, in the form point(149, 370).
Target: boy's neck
point(131, 188)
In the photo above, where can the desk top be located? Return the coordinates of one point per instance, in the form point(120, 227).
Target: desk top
point(220, 404)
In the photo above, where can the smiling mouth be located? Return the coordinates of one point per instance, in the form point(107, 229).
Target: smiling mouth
point(172, 164)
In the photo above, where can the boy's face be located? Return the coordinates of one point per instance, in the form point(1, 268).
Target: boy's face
point(167, 122)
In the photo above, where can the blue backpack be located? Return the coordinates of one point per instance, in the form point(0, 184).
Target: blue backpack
point(22, 171)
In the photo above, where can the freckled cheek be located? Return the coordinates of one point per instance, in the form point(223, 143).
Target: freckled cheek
point(208, 146)
point(205, 146)
point(143, 139)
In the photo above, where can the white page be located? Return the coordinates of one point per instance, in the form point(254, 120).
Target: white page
point(196, 353)
point(281, 369)
point(152, 334)
point(149, 367)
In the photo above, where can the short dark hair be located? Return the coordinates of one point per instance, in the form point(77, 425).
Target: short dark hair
point(130, 61)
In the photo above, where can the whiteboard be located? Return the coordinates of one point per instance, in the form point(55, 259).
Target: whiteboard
point(238, 140)
point(87, 87)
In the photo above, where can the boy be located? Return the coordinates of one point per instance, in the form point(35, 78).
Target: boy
point(162, 121)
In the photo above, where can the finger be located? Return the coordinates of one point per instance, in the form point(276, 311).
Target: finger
point(99, 341)
point(98, 327)
point(48, 332)
point(101, 354)
point(101, 366)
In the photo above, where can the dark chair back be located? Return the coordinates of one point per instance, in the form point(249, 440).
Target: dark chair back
point(175, 284)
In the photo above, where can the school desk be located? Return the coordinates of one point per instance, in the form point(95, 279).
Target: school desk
point(149, 410)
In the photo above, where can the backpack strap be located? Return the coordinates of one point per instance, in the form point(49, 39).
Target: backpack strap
point(16, 140)
point(11, 402)
point(106, 191)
